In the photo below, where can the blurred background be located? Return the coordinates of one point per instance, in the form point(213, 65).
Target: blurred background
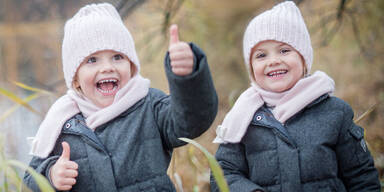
point(347, 36)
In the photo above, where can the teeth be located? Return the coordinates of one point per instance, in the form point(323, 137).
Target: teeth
point(277, 73)
point(108, 80)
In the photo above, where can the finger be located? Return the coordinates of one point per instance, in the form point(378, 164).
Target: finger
point(182, 64)
point(176, 56)
point(174, 35)
point(68, 181)
point(71, 165)
point(181, 46)
point(64, 187)
point(182, 71)
point(65, 155)
point(67, 173)
point(70, 173)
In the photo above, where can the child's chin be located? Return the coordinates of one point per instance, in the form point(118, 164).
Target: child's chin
point(105, 100)
point(278, 89)
point(103, 104)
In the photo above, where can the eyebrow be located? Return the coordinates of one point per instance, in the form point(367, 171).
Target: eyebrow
point(279, 45)
point(284, 44)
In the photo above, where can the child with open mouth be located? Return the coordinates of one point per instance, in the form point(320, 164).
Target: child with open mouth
point(111, 131)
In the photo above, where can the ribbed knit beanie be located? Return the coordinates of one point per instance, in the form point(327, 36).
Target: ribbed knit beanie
point(282, 23)
point(93, 28)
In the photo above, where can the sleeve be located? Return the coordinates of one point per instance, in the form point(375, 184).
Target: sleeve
point(357, 169)
point(192, 105)
point(41, 166)
point(231, 158)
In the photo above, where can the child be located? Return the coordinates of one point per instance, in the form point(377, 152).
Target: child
point(285, 132)
point(111, 132)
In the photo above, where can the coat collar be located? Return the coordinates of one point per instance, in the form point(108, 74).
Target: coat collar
point(76, 126)
point(264, 117)
point(318, 100)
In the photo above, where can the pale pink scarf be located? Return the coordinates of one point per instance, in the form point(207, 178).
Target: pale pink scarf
point(72, 103)
point(285, 105)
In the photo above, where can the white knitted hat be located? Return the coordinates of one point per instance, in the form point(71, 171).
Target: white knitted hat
point(94, 28)
point(282, 23)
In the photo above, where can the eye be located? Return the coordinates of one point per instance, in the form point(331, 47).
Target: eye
point(91, 60)
point(285, 50)
point(260, 55)
point(118, 57)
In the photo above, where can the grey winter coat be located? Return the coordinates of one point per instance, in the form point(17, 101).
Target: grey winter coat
point(318, 149)
point(132, 152)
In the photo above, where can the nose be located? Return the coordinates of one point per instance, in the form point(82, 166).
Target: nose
point(274, 60)
point(107, 67)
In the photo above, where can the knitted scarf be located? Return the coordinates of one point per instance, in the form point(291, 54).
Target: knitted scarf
point(72, 103)
point(285, 105)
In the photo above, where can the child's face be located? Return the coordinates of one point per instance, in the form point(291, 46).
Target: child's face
point(276, 66)
point(101, 75)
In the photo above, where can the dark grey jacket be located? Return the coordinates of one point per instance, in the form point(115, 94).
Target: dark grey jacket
point(318, 149)
point(132, 152)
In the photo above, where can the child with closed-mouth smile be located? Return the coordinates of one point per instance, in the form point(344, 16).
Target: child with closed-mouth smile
point(287, 132)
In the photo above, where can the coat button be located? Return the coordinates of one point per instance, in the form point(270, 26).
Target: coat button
point(258, 118)
point(67, 125)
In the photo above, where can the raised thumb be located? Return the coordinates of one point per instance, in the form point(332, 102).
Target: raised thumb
point(66, 151)
point(174, 34)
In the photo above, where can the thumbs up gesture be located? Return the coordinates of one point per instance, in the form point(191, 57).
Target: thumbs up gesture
point(64, 171)
point(180, 54)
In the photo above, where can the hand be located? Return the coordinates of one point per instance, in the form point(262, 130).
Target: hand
point(180, 54)
point(64, 171)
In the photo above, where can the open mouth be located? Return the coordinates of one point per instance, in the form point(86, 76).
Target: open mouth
point(277, 73)
point(107, 86)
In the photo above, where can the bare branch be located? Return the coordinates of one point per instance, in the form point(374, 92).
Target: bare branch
point(341, 9)
point(356, 32)
point(126, 7)
point(169, 12)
